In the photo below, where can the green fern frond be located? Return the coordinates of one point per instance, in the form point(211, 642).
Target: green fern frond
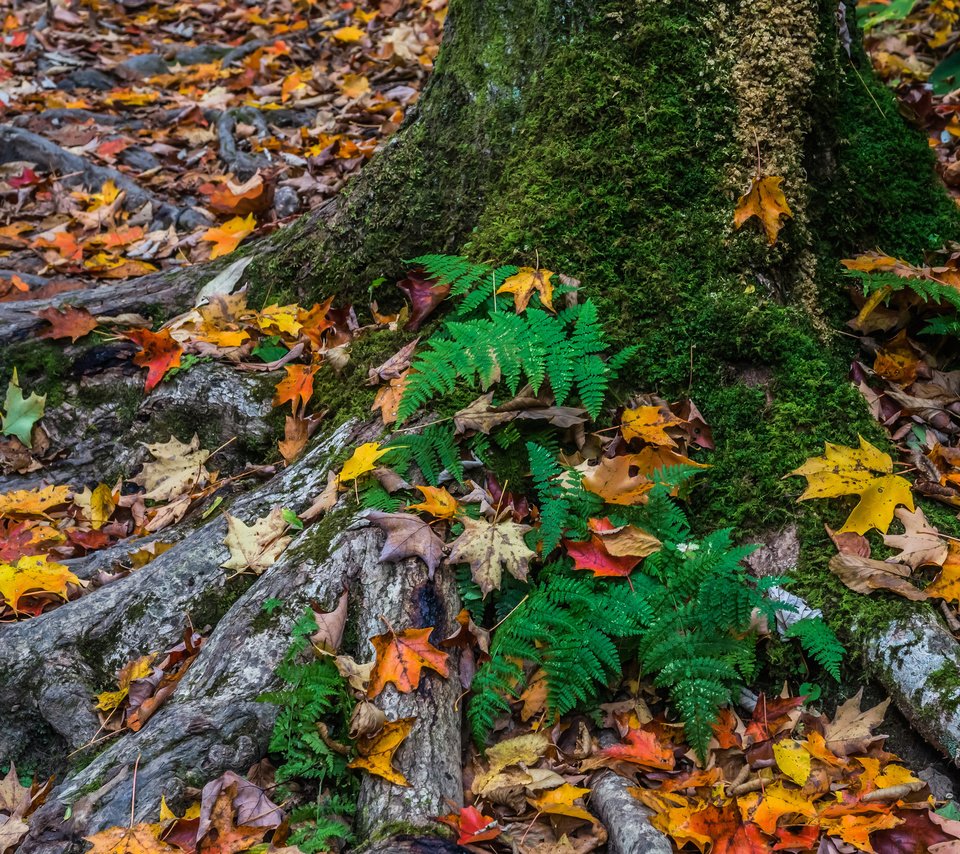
point(820, 642)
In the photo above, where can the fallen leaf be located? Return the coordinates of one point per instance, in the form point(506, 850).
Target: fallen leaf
point(376, 752)
point(363, 460)
point(227, 237)
point(766, 201)
point(408, 536)
point(793, 758)
point(471, 825)
point(33, 502)
point(139, 839)
point(614, 480)
point(562, 801)
point(401, 657)
point(67, 322)
point(523, 283)
point(641, 747)
point(866, 575)
point(489, 548)
point(20, 413)
point(255, 547)
point(33, 574)
point(159, 352)
point(296, 388)
point(626, 540)
point(437, 502)
point(649, 423)
point(424, 295)
point(851, 729)
point(920, 543)
point(177, 468)
point(866, 472)
point(593, 555)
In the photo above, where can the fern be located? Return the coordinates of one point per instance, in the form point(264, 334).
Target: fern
point(565, 506)
point(434, 450)
point(923, 287)
point(818, 639)
point(531, 347)
point(375, 497)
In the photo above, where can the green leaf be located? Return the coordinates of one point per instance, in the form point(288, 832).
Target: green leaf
point(21, 413)
point(270, 349)
point(291, 519)
point(943, 78)
point(876, 13)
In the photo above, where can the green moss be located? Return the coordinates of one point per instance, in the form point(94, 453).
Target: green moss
point(42, 367)
point(213, 602)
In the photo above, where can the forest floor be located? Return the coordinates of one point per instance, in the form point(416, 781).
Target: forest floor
point(147, 136)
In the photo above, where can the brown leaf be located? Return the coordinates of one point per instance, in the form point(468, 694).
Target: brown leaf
point(424, 295)
point(851, 730)
point(331, 624)
point(68, 322)
point(920, 543)
point(867, 576)
point(408, 536)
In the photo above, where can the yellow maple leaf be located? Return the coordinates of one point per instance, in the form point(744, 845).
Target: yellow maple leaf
point(767, 807)
point(139, 668)
point(765, 200)
point(33, 574)
point(437, 502)
point(947, 584)
point(523, 283)
point(98, 505)
point(354, 85)
point(227, 237)
point(793, 759)
point(348, 34)
point(280, 318)
point(648, 423)
point(865, 471)
point(33, 502)
point(256, 546)
point(364, 459)
point(561, 801)
point(376, 751)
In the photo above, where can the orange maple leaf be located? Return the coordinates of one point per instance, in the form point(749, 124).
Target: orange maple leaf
point(766, 201)
point(227, 237)
point(642, 748)
point(376, 751)
point(159, 352)
point(296, 387)
point(401, 657)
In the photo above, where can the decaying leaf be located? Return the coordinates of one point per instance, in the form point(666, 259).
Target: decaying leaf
point(177, 468)
point(255, 547)
point(866, 575)
point(766, 201)
point(490, 548)
point(851, 729)
point(408, 536)
point(376, 752)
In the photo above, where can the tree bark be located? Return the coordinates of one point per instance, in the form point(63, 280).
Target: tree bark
point(605, 141)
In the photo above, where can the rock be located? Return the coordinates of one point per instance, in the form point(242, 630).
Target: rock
point(200, 54)
point(86, 78)
point(138, 159)
point(286, 202)
point(778, 552)
point(141, 66)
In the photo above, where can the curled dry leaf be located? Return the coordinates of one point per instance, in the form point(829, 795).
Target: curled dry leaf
point(866, 575)
point(408, 536)
point(376, 752)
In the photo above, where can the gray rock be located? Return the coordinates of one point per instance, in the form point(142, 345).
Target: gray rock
point(142, 65)
point(200, 54)
point(286, 202)
point(87, 78)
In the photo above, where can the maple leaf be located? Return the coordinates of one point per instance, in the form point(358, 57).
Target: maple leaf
point(562, 801)
point(866, 472)
point(67, 322)
point(33, 574)
point(766, 201)
point(33, 502)
point(408, 536)
point(793, 758)
point(225, 837)
point(776, 801)
point(920, 543)
point(472, 825)
point(626, 540)
point(851, 730)
point(856, 829)
point(388, 398)
point(376, 751)
point(348, 34)
point(649, 423)
point(615, 481)
point(139, 839)
point(282, 318)
point(641, 748)
point(523, 283)
point(489, 548)
point(255, 547)
point(363, 460)
point(437, 502)
point(227, 237)
point(947, 584)
point(159, 352)
point(866, 575)
point(177, 468)
point(296, 388)
point(593, 555)
point(98, 504)
point(315, 322)
point(139, 668)
point(20, 413)
point(401, 657)
point(295, 431)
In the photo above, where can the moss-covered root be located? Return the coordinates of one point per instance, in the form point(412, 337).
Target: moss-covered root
point(918, 662)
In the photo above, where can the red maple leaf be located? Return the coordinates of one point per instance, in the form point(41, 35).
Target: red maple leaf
point(159, 352)
point(593, 555)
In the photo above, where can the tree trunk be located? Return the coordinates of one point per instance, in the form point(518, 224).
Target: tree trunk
point(608, 141)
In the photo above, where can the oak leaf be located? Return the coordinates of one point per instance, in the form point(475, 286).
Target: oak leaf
point(766, 201)
point(408, 536)
point(21, 413)
point(255, 547)
point(33, 574)
point(491, 547)
point(864, 471)
point(376, 751)
point(523, 283)
point(159, 352)
point(227, 237)
point(176, 469)
point(363, 460)
point(67, 322)
point(401, 658)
